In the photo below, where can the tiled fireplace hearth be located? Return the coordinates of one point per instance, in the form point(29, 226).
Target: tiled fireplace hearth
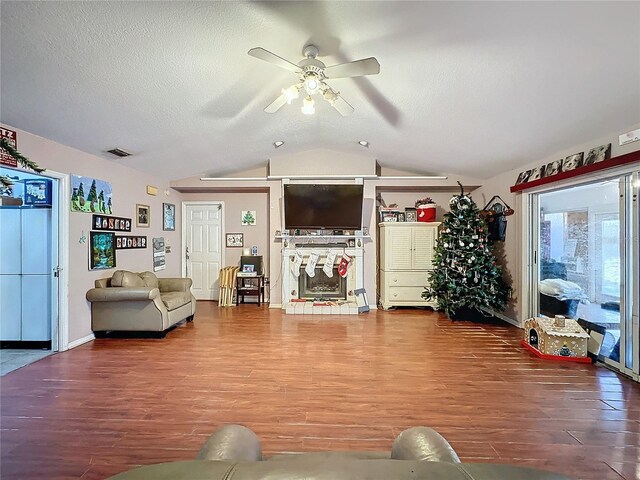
point(321, 294)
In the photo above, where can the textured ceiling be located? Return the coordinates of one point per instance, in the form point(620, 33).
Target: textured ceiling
point(468, 88)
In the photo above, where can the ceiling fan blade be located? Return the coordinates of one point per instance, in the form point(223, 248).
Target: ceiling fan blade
point(342, 106)
point(366, 66)
point(276, 105)
point(267, 56)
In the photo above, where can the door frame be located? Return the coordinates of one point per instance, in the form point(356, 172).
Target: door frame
point(528, 273)
point(183, 247)
point(635, 295)
point(60, 329)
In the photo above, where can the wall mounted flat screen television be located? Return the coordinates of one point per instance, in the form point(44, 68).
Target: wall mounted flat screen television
point(309, 207)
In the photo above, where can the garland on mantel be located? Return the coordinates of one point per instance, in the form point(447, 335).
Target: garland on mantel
point(18, 157)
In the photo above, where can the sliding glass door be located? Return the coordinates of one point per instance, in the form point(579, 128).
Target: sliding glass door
point(586, 260)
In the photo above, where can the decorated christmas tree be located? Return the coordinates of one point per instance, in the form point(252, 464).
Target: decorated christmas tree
point(465, 271)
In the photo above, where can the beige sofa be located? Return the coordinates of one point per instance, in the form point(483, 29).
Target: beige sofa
point(139, 302)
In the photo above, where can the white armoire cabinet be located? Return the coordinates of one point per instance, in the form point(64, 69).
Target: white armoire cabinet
point(406, 256)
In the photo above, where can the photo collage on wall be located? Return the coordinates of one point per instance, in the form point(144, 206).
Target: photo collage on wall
point(569, 163)
point(104, 242)
point(112, 224)
point(129, 242)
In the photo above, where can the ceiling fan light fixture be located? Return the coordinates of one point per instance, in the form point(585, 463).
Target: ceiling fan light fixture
point(364, 143)
point(311, 83)
point(330, 96)
point(290, 93)
point(278, 143)
point(308, 106)
point(312, 74)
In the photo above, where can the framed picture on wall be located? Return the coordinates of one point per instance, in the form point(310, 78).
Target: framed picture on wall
point(168, 216)
point(248, 217)
point(102, 250)
point(573, 161)
point(143, 215)
point(598, 154)
point(235, 240)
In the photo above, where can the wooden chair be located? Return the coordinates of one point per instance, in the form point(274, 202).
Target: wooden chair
point(224, 286)
point(227, 280)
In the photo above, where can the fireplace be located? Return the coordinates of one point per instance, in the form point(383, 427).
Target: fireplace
point(321, 295)
point(321, 287)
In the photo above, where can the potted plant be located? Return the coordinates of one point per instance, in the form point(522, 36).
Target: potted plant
point(426, 210)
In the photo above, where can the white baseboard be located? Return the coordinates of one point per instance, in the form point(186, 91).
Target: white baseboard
point(80, 341)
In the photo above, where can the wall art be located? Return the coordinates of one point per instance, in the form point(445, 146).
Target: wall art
point(235, 240)
point(598, 154)
point(158, 254)
point(37, 192)
point(143, 215)
point(537, 173)
point(114, 224)
point(102, 250)
point(248, 217)
point(11, 137)
point(168, 216)
point(90, 195)
point(573, 161)
point(553, 168)
point(126, 242)
point(524, 177)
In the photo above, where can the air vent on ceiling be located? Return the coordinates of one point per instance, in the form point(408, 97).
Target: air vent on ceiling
point(118, 152)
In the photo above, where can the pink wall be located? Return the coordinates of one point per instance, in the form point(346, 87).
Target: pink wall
point(129, 188)
point(234, 204)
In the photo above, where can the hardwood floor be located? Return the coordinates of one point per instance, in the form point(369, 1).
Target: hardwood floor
point(308, 383)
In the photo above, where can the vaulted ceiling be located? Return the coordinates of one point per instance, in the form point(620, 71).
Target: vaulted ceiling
point(469, 88)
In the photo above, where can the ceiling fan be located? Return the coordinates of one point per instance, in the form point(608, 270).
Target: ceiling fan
point(313, 73)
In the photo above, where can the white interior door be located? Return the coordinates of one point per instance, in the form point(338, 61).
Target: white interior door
point(203, 247)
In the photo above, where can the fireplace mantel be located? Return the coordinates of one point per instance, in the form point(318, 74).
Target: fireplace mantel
point(323, 237)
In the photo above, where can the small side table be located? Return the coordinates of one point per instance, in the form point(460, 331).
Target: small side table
point(249, 285)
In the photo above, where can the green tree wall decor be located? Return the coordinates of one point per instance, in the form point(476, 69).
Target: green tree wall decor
point(465, 271)
point(249, 217)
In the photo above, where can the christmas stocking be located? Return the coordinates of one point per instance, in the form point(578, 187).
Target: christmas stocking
point(327, 268)
point(296, 263)
point(344, 265)
point(311, 264)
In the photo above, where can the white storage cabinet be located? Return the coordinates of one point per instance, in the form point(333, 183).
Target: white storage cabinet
point(406, 257)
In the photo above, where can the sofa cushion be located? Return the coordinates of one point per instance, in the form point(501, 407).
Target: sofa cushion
point(124, 278)
point(149, 279)
point(173, 300)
